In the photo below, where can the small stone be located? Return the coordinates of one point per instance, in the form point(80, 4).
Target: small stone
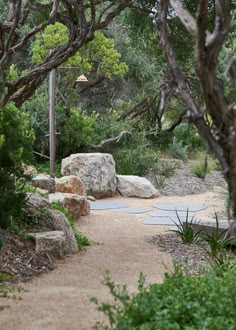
point(91, 198)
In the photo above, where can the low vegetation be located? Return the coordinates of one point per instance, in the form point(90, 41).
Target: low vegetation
point(180, 302)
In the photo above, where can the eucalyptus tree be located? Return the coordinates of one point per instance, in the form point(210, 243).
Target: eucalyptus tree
point(214, 114)
point(22, 20)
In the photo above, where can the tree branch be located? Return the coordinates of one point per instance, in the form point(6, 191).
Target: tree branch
point(194, 113)
point(110, 140)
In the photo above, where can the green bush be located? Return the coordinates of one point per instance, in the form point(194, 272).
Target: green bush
point(204, 166)
point(178, 149)
point(16, 140)
point(77, 131)
point(137, 158)
point(107, 126)
point(189, 136)
point(180, 302)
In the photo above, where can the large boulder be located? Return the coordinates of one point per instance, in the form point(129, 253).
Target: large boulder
point(70, 184)
point(49, 241)
point(76, 205)
point(135, 186)
point(44, 181)
point(96, 170)
point(56, 220)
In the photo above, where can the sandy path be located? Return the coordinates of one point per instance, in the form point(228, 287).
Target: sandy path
point(60, 300)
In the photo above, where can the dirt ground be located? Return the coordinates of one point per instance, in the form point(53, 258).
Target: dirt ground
point(60, 300)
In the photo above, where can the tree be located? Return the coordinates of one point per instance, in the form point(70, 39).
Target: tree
point(214, 116)
point(23, 20)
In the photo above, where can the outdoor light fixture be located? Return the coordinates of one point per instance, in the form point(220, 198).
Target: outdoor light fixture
point(81, 78)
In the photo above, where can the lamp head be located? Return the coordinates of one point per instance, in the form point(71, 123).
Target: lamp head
point(81, 78)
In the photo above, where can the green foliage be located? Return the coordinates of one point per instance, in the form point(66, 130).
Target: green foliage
point(218, 241)
point(178, 150)
point(133, 154)
point(81, 240)
point(137, 158)
point(16, 140)
point(185, 230)
point(180, 302)
point(78, 130)
point(44, 167)
point(200, 170)
point(165, 168)
point(13, 73)
point(189, 136)
point(100, 50)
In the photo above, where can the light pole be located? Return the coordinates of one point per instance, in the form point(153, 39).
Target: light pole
point(52, 118)
point(52, 122)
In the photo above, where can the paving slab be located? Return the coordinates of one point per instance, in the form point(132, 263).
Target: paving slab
point(134, 210)
point(160, 221)
point(107, 205)
point(170, 214)
point(168, 221)
point(180, 207)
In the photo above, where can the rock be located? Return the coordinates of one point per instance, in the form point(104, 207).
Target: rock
point(77, 205)
point(44, 181)
point(56, 220)
point(135, 186)
point(50, 241)
point(34, 203)
point(29, 170)
point(70, 184)
point(96, 170)
point(42, 192)
point(91, 198)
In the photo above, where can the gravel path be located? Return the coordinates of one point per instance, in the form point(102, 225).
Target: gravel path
point(183, 182)
point(60, 300)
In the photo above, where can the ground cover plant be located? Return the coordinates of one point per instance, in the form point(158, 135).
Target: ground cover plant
point(180, 302)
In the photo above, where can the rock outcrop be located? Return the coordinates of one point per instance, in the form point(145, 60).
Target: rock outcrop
point(56, 220)
point(96, 170)
point(135, 186)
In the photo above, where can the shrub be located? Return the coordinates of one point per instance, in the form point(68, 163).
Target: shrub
point(185, 230)
point(189, 136)
point(165, 168)
point(218, 241)
point(16, 140)
point(180, 302)
point(77, 131)
point(178, 149)
point(137, 158)
point(204, 166)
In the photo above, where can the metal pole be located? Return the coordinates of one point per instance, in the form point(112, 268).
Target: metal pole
point(52, 121)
